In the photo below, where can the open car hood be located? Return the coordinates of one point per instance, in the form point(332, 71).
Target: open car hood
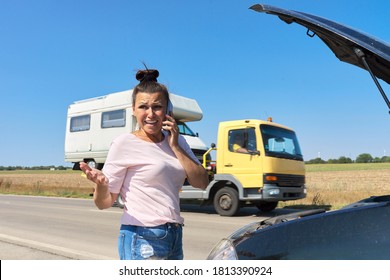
point(357, 231)
point(349, 45)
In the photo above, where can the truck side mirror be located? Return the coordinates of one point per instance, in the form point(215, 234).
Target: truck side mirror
point(254, 153)
point(213, 145)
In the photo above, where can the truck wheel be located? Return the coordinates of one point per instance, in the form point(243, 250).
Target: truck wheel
point(226, 202)
point(267, 206)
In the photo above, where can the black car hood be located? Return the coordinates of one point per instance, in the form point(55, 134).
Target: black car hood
point(357, 231)
point(342, 40)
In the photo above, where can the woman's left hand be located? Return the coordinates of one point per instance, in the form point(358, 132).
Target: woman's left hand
point(170, 125)
point(196, 174)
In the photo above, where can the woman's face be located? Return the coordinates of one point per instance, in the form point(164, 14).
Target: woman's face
point(149, 110)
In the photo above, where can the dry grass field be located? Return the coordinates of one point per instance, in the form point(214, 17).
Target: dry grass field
point(333, 186)
point(329, 185)
point(64, 183)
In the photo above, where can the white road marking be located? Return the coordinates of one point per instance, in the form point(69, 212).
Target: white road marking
point(71, 253)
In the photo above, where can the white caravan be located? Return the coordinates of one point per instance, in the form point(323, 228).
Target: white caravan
point(93, 123)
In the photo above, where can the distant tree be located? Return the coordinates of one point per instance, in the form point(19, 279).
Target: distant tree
point(364, 158)
point(61, 167)
point(344, 160)
point(341, 159)
point(41, 167)
point(385, 159)
point(316, 161)
point(377, 160)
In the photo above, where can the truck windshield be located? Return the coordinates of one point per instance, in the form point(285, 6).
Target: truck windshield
point(280, 142)
point(185, 130)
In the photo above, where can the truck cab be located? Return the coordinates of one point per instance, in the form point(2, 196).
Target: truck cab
point(257, 163)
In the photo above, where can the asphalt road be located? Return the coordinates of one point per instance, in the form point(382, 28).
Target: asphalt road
point(43, 228)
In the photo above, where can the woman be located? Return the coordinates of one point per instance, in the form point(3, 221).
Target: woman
point(147, 168)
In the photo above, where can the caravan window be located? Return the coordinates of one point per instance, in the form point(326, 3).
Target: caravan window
point(115, 118)
point(80, 123)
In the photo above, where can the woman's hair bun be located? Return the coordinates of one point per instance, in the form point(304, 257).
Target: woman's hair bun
point(148, 75)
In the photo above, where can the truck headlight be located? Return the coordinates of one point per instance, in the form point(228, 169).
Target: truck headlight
point(274, 192)
point(224, 250)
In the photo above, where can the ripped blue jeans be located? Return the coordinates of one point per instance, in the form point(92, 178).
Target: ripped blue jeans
point(162, 242)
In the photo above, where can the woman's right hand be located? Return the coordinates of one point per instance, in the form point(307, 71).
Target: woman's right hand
point(102, 196)
point(93, 174)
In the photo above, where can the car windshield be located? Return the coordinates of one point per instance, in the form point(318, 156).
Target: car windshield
point(280, 143)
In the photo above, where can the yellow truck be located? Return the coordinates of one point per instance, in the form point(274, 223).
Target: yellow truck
point(257, 163)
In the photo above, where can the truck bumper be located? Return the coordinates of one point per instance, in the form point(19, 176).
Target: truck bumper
point(271, 192)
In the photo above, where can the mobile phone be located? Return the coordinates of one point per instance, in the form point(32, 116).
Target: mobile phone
point(169, 109)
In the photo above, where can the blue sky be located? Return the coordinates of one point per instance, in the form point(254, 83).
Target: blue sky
point(235, 62)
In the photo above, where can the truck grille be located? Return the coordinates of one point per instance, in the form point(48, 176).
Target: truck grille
point(284, 180)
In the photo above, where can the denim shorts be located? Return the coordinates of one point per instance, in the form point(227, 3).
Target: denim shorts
point(162, 242)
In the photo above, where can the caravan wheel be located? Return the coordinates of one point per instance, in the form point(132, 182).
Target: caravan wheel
point(91, 163)
point(119, 202)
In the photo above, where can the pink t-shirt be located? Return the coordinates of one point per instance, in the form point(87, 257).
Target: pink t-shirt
point(149, 177)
